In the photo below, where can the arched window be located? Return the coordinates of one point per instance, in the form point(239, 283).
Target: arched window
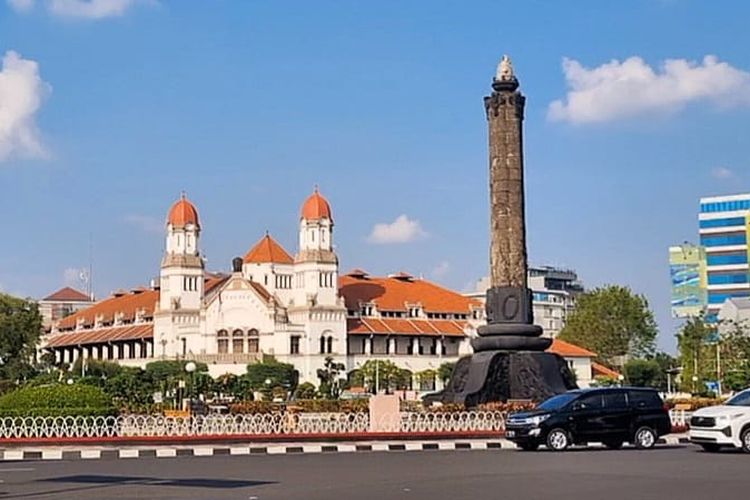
point(253, 345)
point(238, 342)
point(222, 342)
point(322, 344)
point(330, 345)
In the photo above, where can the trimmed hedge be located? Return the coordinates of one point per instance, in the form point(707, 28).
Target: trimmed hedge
point(56, 400)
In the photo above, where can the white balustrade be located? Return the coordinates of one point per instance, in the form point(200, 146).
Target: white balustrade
point(258, 424)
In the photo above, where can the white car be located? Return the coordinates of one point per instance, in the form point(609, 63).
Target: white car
point(724, 425)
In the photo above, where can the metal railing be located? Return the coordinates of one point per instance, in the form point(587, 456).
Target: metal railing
point(260, 424)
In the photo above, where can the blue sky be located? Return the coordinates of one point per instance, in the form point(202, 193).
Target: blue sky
point(246, 105)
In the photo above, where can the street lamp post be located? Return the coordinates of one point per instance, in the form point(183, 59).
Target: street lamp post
point(190, 368)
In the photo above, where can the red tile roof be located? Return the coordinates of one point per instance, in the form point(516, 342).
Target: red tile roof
point(268, 250)
point(125, 332)
point(568, 350)
point(316, 207)
point(68, 294)
point(599, 370)
point(394, 293)
point(390, 326)
point(183, 213)
point(127, 304)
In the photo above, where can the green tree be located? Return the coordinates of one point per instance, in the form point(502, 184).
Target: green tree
point(330, 378)
point(445, 371)
point(381, 375)
point(20, 328)
point(642, 373)
point(695, 358)
point(613, 322)
point(269, 373)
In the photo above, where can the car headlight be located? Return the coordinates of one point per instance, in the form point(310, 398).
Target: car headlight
point(538, 419)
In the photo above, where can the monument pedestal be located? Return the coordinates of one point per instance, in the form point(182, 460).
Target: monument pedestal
point(502, 375)
point(509, 361)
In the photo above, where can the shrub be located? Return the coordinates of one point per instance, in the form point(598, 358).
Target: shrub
point(56, 400)
point(305, 390)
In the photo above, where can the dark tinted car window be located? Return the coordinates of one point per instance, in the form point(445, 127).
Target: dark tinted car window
point(741, 399)
point(557, 402)
point(645, 399)
point(615, 400)
point(590, 402)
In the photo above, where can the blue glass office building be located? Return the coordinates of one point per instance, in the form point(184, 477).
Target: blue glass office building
point(724, 227)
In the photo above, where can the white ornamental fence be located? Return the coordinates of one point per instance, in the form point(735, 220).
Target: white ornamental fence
point(261, 424)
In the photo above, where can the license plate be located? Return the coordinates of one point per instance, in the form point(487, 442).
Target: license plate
point(510, 434)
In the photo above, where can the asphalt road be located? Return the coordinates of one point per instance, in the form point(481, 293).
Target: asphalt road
point(664, 473)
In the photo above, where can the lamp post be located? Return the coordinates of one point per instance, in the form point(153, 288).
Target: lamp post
point(695, 382)
point(620, 379)
point(190, 368)
point(267, 383)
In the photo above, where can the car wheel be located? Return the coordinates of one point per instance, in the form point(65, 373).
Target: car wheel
point(710, 447)
point(645, 438)
point(558, 440)
point(745, 438)
point(528, 446)
point(614, 444)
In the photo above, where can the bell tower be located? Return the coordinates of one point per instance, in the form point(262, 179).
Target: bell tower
point(181, 276)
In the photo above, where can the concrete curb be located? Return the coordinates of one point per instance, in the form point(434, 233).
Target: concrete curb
point(95, 453)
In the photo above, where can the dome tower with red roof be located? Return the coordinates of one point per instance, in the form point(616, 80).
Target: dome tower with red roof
point(316, 227)
point(316, 259)
point(181, 277)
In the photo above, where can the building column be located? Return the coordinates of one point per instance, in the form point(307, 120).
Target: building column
point(392, 346)
point(415, 346)
point(58, 356)
point(368, 345)
point(149, 349)
point(137, 349)
point(439, 347)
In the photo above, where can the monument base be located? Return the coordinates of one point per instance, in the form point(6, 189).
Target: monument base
point(492, 376)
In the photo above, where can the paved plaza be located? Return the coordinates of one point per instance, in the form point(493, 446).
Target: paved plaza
point(667, 472)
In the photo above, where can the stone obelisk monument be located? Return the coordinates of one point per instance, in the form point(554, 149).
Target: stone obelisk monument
point(509, 361)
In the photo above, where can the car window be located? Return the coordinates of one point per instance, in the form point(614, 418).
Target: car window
point(557, 402)
point(590, 402)
point(741, 399)
point(615, 400)
point(647, 399)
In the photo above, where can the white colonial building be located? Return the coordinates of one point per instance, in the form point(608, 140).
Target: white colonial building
point(296, 309)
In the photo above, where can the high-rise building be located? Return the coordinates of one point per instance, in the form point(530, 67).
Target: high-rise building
point(724, 227)
point(554, 293)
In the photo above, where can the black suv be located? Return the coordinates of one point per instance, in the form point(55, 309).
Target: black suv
point(606, 415)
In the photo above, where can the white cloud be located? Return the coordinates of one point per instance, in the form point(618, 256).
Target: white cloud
point(21, 94)
point(401, 230)
point(145, 223)
point(441, 269)
point(722, 173)
point(84, 9)
point(618, 90)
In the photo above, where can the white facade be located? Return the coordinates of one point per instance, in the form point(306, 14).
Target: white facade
point(296, 309)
